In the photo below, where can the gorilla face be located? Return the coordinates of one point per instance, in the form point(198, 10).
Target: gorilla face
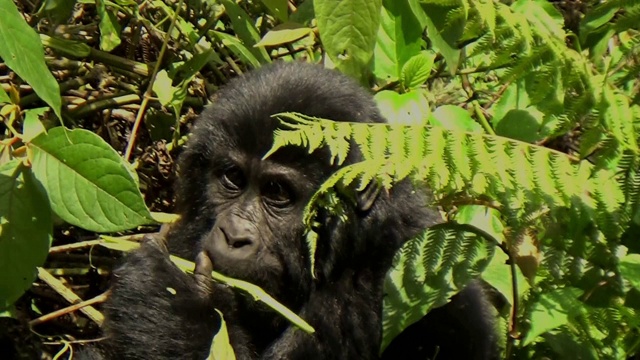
point(243, 214)
point(258, 233)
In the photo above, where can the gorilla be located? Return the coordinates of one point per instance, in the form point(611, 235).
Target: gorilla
point(242, 216)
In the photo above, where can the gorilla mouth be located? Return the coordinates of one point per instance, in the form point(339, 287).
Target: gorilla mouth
point(259, 270)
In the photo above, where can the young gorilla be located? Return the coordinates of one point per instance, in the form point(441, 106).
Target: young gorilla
point(243, 217)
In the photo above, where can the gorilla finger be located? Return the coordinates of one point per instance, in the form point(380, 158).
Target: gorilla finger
point(202, 273)
point(164, 230)
point(157, 240)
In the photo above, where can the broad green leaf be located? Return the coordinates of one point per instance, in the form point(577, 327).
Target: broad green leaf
point(630, 269)
point(174, 96)
point(245, 29)
point(498, 274)
point(87, 182)
point(4, 97)
point(220, 346)
point(595, 18)
point(171, 95)
point(598, 43)
point(455, 118)
point(427, 271)
point(399, 38)
point(109, 27)
point(67, 47)
point(484, 218)
point(445, 26)
point(348, 31)
point(159, 124)
point(163, 89)
point(189, 69)
point(514, 97)
point(522, 124)
point(25, 230)
point(515, 118)
point(22, 52)
point(184, 28)
point(58, 11)
point(238, 48)
point(165, 218)
point(566, 345)
point(278, 8)
point(552, 310)
point(126, 2)
point(418, 12)
point(5, 154)
point(543, 15)
point(410, 108)
point(304, 14)
point(284, 34)
point(32, 126)
point(417, 70)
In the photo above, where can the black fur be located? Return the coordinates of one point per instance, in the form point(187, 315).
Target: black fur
point(157, 312)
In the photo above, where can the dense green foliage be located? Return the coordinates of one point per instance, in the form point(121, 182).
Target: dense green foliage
point(522, 117)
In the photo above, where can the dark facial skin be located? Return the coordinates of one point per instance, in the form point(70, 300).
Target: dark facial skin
point(253, 201)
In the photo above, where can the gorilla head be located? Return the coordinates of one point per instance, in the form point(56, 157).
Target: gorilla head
point(245, 212)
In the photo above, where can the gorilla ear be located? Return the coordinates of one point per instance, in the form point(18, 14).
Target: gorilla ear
point(367, 196)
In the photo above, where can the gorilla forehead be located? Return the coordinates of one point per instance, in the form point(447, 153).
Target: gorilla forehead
point(241, 114)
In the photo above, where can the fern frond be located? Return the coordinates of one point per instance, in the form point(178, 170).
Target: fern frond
point(428, 270)
point(630, 18)
point(608, 197)
point(294, 136)
point(486, 12)
point(508, 171)
point(534, 37)
point(617, 118)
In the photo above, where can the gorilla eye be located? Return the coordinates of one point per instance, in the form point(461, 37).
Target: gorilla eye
point(277, 194)
point(233, 179)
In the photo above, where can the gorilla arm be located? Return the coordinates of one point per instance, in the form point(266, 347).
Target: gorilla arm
point(345, 321)
point(156, 311)
point(346, 328)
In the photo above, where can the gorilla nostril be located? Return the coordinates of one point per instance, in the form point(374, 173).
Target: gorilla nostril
point(238, 243)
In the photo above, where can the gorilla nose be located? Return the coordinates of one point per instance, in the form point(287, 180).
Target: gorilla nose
point(232, 241)
point(237, 238)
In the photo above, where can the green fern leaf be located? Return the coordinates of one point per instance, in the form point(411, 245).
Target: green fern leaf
point(428, 270)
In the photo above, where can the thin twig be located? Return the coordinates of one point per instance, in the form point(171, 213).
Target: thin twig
point(70, 296)
point(69, 309)
point(481, 118)
point(103, 103)
point(513, 317)
point(149, 92)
